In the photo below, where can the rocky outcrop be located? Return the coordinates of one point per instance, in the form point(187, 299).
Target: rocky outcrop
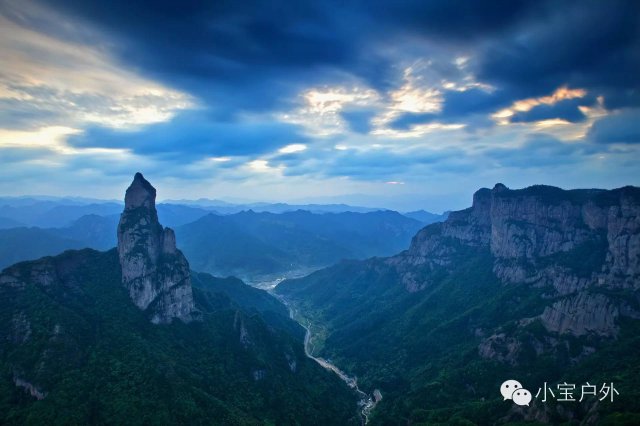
point(52, 274)
point(21, 329)
point(30, 388)
point(500, 347)
point(534, 223)
point(571, 241)
point(154, 271)
point(243, 333)
point(291, 361)
point(538, 229)
point(582, 314)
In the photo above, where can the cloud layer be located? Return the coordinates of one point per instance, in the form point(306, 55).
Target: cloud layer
point(319, 99)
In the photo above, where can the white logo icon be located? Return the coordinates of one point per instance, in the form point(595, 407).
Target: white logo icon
point(521, 397)
point(507, 388)
point(512, 389)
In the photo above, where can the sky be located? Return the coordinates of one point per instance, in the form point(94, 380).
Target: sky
point(407, 104)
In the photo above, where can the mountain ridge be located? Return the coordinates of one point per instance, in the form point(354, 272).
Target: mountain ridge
point(299, 239)
point(532, 282)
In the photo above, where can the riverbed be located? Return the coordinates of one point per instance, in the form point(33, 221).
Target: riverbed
point(366, 402)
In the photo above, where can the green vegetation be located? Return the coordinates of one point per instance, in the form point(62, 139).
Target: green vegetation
point(71, 331)
point(220, 293)
point(422, 349)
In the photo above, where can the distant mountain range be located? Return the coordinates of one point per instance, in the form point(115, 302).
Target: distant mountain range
point(54, 212)
point(224, 207)
point(6, 223)
point(63, 213)
point(18, 244)
point(252, 245)
point(540, 285)
point(258, 245)
point(427, 217)
point(22, 243)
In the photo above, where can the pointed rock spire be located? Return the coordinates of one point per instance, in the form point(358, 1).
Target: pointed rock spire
point(154, 271)
point(140, 194)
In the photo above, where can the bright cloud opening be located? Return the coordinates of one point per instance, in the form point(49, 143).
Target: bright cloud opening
point(290, 149)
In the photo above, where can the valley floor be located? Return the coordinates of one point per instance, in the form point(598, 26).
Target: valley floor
point(366, 402)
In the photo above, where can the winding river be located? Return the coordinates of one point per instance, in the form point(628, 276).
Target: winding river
point(366, 402)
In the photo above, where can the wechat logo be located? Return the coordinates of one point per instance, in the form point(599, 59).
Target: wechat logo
point(512, 389)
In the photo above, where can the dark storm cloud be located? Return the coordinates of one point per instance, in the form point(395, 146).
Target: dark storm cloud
point(539, 151)
point(529, 49)
point(565, 110)
point(236, 55)
point(457, 20)
point(622, 127)
point(256, 55)
point(458, 106)
point(589, 44)
point(192, 135)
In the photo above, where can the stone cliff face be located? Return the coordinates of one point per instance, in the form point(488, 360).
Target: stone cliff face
point(154, 271)
point(578, 244)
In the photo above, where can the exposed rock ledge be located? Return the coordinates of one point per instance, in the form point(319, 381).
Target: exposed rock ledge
point(33, 391)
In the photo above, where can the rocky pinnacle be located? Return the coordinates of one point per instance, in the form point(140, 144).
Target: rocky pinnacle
point(154, 271)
